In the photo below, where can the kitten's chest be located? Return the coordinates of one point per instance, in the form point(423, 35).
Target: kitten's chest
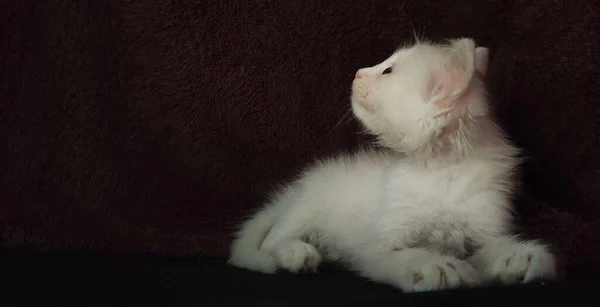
point(417, 189)
point(428, 207)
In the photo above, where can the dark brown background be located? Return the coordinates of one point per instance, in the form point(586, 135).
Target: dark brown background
point(154, 126)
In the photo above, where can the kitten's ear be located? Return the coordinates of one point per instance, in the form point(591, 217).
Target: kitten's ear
point(453, 77)
point(482, 58)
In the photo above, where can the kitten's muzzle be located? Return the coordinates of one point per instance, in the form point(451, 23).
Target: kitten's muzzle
point(359, 88)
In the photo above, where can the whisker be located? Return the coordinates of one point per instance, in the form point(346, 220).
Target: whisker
point(415, 35)
point(362, 132)
point(342, 120)
point(418, 37)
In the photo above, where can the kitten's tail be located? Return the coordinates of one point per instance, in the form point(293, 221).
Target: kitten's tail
point(245, 249)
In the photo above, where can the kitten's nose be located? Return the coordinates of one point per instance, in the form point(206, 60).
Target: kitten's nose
point(358, 75)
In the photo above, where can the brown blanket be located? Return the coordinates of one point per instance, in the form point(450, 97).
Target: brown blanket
point(157, 125)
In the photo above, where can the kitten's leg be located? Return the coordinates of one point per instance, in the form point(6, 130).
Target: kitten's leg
point(510, 261)
point(285, 244)
point(295, 255)
point(416, 269)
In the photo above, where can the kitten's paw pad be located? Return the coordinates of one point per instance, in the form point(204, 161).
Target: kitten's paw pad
point(296, 256)
point(443, 273)
point(524, 263)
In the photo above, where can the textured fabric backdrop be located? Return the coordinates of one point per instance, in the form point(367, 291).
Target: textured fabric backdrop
point(155, 126)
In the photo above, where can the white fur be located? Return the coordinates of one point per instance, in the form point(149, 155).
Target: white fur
point(407, 214)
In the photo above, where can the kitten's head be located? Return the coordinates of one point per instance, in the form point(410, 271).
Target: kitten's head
point(420, 93)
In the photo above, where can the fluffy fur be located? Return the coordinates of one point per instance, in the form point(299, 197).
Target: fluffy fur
point(431, 210)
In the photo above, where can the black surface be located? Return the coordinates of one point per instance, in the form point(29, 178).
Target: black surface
point(140, 280)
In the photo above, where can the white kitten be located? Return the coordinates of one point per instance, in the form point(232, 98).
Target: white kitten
point(408, 214)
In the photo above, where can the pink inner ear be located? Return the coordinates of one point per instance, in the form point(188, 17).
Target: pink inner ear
point(482, 55)
point(444, 85)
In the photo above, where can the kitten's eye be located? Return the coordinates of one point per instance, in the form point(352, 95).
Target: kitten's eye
point(387, 71)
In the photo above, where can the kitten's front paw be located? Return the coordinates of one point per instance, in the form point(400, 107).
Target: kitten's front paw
point(295, 256)
point(522, 263)
point(442, 273)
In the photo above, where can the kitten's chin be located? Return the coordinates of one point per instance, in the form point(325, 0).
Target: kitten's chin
point(355, 105)
point(360, 113)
